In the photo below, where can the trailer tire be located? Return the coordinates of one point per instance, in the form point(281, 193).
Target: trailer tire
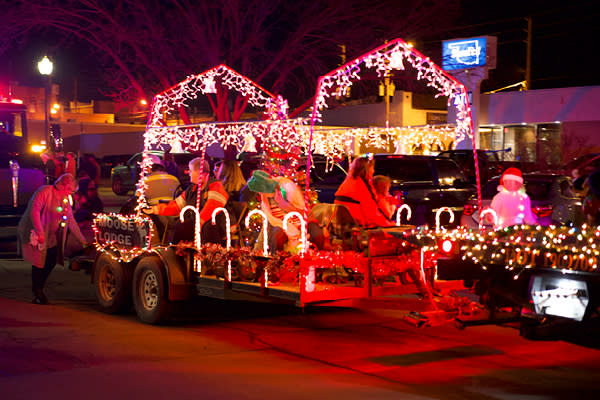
point(150, 298)
point(112, 282)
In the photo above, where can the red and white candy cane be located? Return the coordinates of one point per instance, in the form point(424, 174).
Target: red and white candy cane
point(399, 213)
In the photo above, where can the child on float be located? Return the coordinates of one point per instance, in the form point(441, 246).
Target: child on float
point(512, 204)
point(387, 203)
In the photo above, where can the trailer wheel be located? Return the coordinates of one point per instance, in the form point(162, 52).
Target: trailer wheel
point(113, 285)
point(149, 292)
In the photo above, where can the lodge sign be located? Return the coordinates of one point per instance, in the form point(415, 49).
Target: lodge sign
point(122, 231)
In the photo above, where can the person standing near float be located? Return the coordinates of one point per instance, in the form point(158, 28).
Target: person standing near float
point(512, 204)
point(42, 231)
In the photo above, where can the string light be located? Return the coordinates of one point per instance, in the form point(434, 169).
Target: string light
point(403, 207)
point(117, 251)
point(265, 229)
point(228, 233)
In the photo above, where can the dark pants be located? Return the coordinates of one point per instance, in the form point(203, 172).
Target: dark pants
point(40, 275)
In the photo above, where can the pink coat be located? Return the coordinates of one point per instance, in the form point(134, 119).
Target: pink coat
point(44, 213)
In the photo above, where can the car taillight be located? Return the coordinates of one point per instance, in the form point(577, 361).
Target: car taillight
point(446, 246)
point(542, 211)
point(469, 209)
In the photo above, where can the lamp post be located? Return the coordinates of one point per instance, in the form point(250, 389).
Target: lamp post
point(45, 67)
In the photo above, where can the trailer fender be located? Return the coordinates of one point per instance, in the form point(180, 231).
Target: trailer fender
point(179, 286)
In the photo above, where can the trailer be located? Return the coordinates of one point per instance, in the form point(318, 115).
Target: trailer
point(136, 264)
point(531, 275)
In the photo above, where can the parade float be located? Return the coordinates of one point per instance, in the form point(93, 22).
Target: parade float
point(134, 263)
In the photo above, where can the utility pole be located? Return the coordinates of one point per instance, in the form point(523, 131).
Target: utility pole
point(528, 56)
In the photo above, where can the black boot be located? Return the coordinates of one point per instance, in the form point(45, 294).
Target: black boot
point(37, 276)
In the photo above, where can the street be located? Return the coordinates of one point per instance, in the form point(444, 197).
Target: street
point(213, 349)
point(224, 350)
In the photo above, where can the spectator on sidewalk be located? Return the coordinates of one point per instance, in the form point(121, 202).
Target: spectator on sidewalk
point(88, 165)
point(49, 167)
point(42, 231)
point(71, 164)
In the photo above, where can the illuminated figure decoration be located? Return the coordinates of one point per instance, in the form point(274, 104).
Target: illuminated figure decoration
point(512, 204)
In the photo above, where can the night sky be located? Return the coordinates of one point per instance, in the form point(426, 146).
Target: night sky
point(562, 47)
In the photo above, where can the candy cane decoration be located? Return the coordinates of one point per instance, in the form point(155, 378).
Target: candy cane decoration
point(227, 229)
point(399, 212)
point(302, 227)
point(264, 227)
point(197, 242)
point(488, 211)
point(437, 216)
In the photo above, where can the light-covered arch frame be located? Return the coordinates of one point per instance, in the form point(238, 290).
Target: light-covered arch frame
point(275, 130)
point(391, 56)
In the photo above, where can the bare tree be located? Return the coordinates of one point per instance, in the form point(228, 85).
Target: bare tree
point(147, 46)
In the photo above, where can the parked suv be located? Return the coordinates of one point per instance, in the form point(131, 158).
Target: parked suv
point(489, 163)
point(426, 183)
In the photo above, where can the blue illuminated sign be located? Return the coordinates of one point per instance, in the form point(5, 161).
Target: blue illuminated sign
point(463, 53)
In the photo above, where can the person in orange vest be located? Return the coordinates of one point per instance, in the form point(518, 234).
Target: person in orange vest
point(358, 194)
point(212, 195)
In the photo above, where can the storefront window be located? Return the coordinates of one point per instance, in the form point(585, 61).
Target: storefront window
point(534, 144)
point(548, 146)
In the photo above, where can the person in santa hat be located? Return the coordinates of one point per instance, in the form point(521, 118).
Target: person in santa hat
point(512, 204)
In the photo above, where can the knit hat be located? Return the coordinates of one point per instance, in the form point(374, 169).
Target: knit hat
point(261, 182)
point(512, 174)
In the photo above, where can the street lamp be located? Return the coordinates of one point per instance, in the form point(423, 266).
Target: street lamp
point(45, 67)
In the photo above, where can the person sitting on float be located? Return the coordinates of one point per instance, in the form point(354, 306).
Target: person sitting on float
point(358, 194)
point(386, 201)
point(212, 195)
point(160, 186)
point(512, 204)
point(278, 196)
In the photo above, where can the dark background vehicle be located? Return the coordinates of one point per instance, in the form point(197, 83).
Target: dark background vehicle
point(124, 177)
point(552, 200)
point(14, 148)
point(489, 163)
point(109, 162)
point(425, 183)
